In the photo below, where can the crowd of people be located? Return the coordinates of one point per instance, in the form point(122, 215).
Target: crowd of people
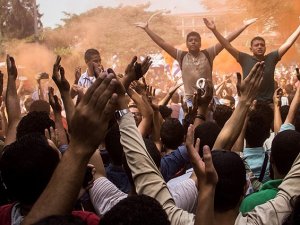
point(111, 149)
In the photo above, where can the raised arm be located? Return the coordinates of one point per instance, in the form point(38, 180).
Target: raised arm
point(293, 108)
point(157, 39)
point(168, 96)
point(12, 101)
point(89, 125)
point(64, 88)
point(277, 115)
point(248, 89)
point(289, 42)
point(225, 42)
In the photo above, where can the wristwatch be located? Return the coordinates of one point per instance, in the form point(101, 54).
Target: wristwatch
point(120, 113)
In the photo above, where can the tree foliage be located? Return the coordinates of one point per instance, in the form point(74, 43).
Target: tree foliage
point(17, 18)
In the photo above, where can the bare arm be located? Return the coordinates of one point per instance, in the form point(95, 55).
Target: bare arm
point(64, 88)
point(277, 114)
point(4, 123)
point(158, 40)
point(171, 92)
point(248, 89)
point(294, 107)
point(53, 100)
point(89, 125)
point(289, 42)
point(97, 162)
point(225, 42)
point(12, 101)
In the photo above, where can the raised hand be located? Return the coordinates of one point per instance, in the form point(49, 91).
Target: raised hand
point(209, 24)
point(77, 74)
point(92, 115)
point(53, 136)
point(53, 100)
point(204, 168)
point(142, 25)
point(12, 71)
point(250, 21)
point(135, 70)
point(58, 76)
point(249, 86)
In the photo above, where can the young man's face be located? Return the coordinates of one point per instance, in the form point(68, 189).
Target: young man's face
point(193, 43)
point(94, 59)
point(258, 48)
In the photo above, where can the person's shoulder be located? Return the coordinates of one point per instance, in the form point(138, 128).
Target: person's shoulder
point(5, 214)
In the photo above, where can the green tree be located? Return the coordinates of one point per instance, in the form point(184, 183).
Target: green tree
point(17, 18)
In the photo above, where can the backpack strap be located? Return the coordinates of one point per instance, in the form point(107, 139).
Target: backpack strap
point(264, 167)
point(205, 52)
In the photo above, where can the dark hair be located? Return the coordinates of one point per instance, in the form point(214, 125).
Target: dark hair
point(61, 220)
point(26, 167)
point(34, 122)
point(165, 111)
point(193, 33)
point(40, 106)
point(171, 133)
point(208, 133)
point(259, 125)
point(230, 98)
point(89, 53)
point(136, 210)
point(113, 145)
point(232, 179)
point(221, 114)
point(257, 38)
point(285, 148)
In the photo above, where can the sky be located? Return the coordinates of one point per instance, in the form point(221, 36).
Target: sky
point(53, 10)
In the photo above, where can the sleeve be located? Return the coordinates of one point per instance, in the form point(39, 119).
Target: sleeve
point(172, 163)
point(286, 126)
point(146, 176)
point(212, 53)
point(276, 210)
point(105, 195)
point(185, 195)
point(242, 57)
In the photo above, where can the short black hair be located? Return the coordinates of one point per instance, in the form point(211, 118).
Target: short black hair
point(231, 179)
point(208, 133)
point(61, 220)
point(34, 122)
point(259, 125)
point(26, 167)
point(89, 53)
point(221, 114)
point(285, 148)
point(257, 38)
point(171, 133)
point(193, 33)
point(136, 210)
point(165, 111)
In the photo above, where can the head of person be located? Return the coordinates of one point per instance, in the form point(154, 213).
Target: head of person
point(136, 210)
point(171, 133)
point(229, 101)
point(259, 125)
point(207, 132)
point(193, 41)
point(232, 184)
point(258, 46)
point(165, 111)
point(34, 122)
point(92, 56)
point(282, 83)
point(40, 106)
point(26, 167)
point(221, 114)
point(175, 98)
point(285, 148)
point(136, 113)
